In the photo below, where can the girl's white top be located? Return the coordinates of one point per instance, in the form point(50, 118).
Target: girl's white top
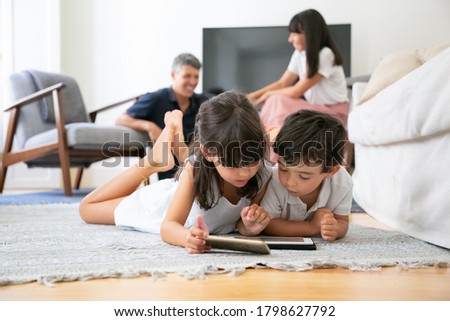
point(145, 209)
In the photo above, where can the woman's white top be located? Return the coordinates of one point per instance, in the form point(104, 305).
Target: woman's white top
point(332, 89)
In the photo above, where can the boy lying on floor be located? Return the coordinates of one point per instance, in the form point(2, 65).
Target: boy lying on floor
point(310, 193)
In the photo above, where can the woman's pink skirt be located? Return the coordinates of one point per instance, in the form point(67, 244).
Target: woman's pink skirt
point(278, 107)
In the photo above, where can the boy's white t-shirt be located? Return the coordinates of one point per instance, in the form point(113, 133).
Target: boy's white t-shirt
point(332, 89)
point(335, 194)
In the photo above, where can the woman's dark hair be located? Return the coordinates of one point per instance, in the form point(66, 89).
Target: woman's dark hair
point(311, 138)
point(228, 127)
point(311, 23)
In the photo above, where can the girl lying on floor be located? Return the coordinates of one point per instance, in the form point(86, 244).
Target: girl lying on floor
point(216, 191)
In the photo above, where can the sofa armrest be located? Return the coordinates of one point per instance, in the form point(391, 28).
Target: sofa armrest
point(358, 89)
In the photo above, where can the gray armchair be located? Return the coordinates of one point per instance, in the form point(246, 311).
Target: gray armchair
point(49, 127)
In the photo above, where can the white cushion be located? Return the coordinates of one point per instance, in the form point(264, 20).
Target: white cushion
point(358, 89)
point(396, 65)
point(390, 69)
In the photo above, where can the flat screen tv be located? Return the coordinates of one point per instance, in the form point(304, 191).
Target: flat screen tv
point(251, 57)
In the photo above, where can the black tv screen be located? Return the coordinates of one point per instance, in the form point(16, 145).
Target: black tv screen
point(251, 57)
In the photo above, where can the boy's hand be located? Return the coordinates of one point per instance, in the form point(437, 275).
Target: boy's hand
point(255, 219)
point(195, 239)
point(329, 226)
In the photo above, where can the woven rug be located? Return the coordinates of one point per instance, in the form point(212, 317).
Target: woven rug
point(50, 243)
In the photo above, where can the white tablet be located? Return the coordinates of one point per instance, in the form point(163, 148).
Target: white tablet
point(254, 245)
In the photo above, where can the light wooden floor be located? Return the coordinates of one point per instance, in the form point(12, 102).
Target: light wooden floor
point(336, 285)
point(424, 284)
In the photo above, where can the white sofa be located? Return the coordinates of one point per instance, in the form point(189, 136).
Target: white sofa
point(402, 152)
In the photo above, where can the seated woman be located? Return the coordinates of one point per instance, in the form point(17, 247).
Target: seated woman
point(314, 78)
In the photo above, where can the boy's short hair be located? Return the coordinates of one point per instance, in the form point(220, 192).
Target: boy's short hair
point(311, 138)
point(185, 59)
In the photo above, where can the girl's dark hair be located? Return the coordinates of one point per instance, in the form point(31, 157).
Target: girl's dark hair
point(312, 25)
point(228, 127)
point(311, 138)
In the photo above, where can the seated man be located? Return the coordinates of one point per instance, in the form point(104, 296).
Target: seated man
point(147, 114)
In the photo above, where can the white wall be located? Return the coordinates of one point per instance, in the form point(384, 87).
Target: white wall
point(30, 40)
point(118, 48)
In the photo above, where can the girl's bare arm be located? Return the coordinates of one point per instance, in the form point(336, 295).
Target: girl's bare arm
point(287, 79)
point(297, 90)
point(172, 227)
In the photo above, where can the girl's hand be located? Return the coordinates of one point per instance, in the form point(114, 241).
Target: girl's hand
point(255, 219)
point(261, 99)
point(252, 97)
point(264, 97)
point(195, 239)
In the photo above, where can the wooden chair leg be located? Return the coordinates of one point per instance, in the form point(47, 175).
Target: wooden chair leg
point(78, 178)
point(3, 177)
point(66, 181)
point(65, 170)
